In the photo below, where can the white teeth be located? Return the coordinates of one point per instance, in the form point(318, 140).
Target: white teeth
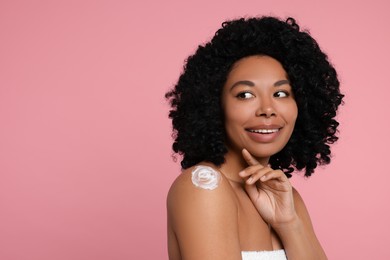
point(264, 131)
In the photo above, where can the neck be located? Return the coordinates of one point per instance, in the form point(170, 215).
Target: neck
point(234, 163)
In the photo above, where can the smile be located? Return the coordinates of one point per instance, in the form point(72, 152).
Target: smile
point(264, 131)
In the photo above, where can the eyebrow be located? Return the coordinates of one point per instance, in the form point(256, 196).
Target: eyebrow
point(243, 82)
point(251, 84)
point(281, 82)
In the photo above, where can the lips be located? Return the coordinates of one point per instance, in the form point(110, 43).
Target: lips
point(264, 129)
point(264, 133)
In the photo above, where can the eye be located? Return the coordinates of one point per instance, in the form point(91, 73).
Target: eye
point(245, 95)
point(281, 94)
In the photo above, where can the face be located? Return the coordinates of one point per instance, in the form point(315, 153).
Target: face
point(259, 107)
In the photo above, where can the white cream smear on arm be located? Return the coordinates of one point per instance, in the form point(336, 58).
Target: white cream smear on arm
point(205, 177)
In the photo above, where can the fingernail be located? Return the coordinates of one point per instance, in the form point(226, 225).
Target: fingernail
point(263, 178)
point(250, 179)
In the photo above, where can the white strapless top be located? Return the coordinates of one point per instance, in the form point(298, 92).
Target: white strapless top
point(264, 255)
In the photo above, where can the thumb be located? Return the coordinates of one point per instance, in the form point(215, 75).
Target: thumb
point(249, 158)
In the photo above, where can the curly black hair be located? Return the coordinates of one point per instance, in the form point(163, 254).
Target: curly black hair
point(197, 116)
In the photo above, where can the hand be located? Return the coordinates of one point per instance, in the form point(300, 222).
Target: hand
point(270, 191)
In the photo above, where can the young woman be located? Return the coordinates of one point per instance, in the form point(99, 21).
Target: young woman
point(254, 104)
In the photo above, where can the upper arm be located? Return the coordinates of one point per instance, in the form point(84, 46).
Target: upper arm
point(301, 210)
point(305, 218)
point(204, 221)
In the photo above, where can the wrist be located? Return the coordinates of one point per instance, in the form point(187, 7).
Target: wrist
point(291, 226)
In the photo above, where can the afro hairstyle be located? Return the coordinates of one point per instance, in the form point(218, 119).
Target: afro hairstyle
point(195, 100)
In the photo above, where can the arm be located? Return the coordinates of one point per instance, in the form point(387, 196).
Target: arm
point(204, 221)
point(282, 207)
point(298, 237)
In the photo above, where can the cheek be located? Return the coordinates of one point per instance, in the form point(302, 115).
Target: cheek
point(290, 112)
point(236, 115)
point(230, 122)
point(234, 122)
point(294, 112)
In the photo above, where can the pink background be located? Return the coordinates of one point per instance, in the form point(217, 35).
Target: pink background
point(85, 159)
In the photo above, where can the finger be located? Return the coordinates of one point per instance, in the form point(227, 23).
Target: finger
point(250, 170)
point(259, 175)
point(276, 180)
point(273, 175)
point(249, 158)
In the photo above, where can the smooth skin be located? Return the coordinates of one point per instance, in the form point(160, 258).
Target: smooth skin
point(255, 207)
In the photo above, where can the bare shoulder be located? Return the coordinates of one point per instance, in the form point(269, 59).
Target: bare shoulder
point(202, 187)
point(200, 180)
point(202, 213)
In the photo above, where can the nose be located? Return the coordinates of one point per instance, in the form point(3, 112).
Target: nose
point(266, 108)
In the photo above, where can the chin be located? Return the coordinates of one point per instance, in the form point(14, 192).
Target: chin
point(264, 150)
point(259, 151)
point(262, 154)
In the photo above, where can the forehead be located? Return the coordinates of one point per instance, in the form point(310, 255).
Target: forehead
point(258, 66)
